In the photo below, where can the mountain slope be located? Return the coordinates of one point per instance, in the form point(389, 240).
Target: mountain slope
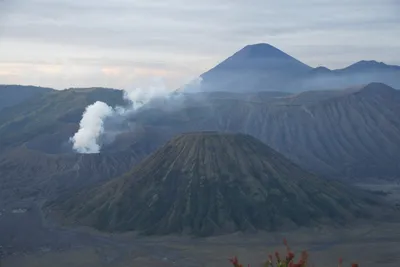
point(209, 183)
point(30, 173)
point(11, 95)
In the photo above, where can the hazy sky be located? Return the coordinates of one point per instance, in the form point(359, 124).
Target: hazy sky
point(125, 43)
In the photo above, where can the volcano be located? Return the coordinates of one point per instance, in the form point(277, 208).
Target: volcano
point(257, 67)
point(213, 183)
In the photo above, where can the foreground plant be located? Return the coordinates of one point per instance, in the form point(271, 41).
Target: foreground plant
point(287, 261)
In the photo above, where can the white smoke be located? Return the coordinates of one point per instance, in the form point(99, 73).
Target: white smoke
point(138, 97)
point(92, 127)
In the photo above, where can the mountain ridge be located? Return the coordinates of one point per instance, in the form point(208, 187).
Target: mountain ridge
point(369, 64)
point(11, 95)
point(263, 67)
point(361, 119)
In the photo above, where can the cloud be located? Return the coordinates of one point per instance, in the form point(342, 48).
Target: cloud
point(153, 72)
point(174, 37)
point(49, 68)
point(111, 71)
point(9, 72)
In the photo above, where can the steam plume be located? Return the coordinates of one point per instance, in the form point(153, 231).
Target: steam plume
point(92, 126)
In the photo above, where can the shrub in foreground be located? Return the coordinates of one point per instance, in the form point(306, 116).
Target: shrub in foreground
point(286, 261)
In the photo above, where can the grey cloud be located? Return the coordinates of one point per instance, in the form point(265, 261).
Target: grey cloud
point(177, 33)
point(158, 22)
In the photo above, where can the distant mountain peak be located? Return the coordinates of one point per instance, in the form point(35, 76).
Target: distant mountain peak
point(368, 62)
point(377, 87)
point(262, 57)
point(371, 64)
point(260, 50)
point(253, 68)
point(321, 69)
point(260, 46)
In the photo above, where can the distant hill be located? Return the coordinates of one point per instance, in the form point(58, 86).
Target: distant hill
point(369, 65)
point(210, 183)
point(11, 95)
point(262, 67)
point(360, 73)
point(56, 112)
